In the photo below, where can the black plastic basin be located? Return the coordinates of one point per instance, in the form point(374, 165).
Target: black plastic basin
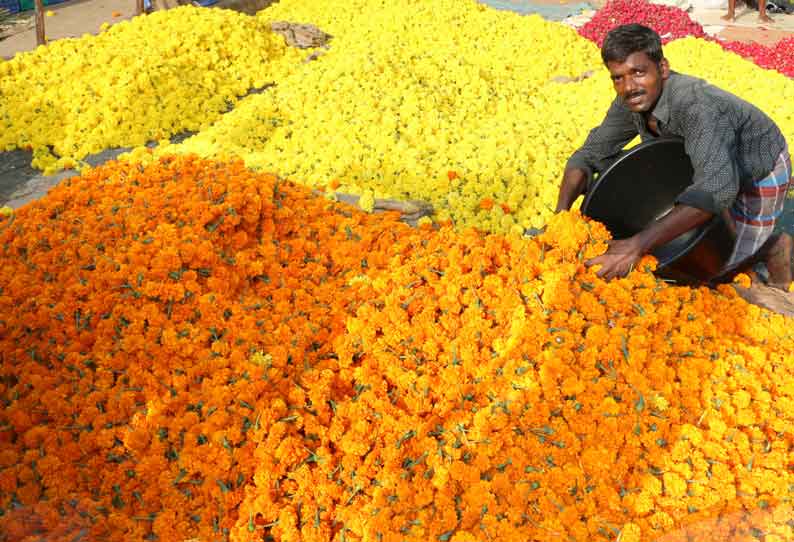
point(641, 186)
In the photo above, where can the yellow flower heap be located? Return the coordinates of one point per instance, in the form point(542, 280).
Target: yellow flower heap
point(411, 91)
point(138, 81)
point(769, 90)
point(473, 109)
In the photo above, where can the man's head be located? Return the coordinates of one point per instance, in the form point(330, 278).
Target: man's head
point(633, 55)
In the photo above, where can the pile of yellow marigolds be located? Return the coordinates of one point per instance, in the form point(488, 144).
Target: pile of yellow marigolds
point(196, 346)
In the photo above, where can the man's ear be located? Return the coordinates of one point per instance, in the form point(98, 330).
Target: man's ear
point(664, 66)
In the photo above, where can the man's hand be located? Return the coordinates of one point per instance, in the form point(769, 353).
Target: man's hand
point(622, 255)
point(619, 259)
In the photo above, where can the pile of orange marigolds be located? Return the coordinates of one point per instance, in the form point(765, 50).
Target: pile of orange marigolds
point(194, 351)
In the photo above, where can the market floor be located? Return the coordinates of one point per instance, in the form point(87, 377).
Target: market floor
point(69, 20)
point(76, 18)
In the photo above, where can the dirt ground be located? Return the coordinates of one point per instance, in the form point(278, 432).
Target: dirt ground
point(764, 36)
point(74, 18)
point(69, 20)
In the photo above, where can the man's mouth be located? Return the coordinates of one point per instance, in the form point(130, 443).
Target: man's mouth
point(635, 98)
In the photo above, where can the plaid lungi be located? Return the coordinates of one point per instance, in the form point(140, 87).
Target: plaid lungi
point(756, 211)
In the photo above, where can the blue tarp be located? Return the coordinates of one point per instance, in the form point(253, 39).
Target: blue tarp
point(547, 11)
point(147, 4)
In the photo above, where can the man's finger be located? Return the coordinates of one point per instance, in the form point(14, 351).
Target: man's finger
point(594, 261)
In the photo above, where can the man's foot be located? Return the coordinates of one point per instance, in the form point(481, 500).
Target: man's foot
point(779, 263)
point(730, 17)
point(765, 19)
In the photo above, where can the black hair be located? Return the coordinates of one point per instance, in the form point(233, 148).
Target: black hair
point(627, 39)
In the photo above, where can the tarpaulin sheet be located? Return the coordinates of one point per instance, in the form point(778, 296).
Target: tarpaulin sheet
point(555, 12)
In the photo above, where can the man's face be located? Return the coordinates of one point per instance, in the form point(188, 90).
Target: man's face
point(638, 80)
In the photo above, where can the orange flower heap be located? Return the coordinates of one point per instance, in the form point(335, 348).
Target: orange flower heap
point(136, 304)
point(193, 350)
point(501, 391)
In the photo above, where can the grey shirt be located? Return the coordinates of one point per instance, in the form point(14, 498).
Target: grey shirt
point(731, 142)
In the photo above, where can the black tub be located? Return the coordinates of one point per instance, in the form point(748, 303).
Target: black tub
point(641, 186)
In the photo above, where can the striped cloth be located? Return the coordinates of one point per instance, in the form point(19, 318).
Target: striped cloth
point(756, 211)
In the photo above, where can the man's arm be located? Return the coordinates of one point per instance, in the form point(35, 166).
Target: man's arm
point(603, 142)
point(710, 142)
point(574, 184)
point(623, 254)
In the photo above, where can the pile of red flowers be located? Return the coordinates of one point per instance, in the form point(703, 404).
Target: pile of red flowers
point(672, 23)
point(668, 21)
point(778, 57)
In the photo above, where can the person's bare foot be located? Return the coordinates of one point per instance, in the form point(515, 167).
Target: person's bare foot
point(765, 19)
point(779, 263)
point(730, 17)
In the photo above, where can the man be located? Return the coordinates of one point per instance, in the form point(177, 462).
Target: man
point(740, 159)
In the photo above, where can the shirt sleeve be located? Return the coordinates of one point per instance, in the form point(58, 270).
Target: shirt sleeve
point(710, 142)
point(605, 141)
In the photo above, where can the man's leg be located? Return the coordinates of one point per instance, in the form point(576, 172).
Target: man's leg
point(731, 15)
point(755, 214)
point(762, 16)
point(777, 255)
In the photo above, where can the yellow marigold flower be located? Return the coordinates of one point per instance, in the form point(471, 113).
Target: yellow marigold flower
point(643, 503)
point(717, 427)
point(741, 399)
point(262, 359)
point(674, 485)
point(424, 221)
point(367, 201)
point(631, 532)
point(652, 485)
point(659, 402)
point(743, 280)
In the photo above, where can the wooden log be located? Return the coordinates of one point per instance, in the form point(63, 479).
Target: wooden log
point(769, 298)
point(41, 38)
point(410, 211)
